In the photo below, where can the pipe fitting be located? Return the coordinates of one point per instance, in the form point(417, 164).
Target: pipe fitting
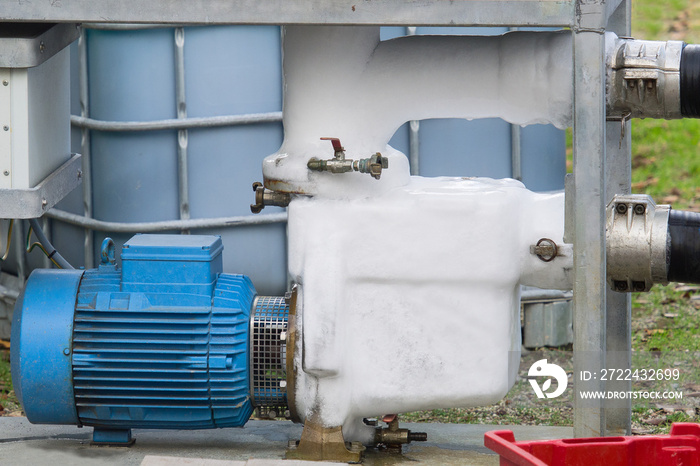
point(644, 79)
point(339, 164)
point(638, 243)
point(265, 197)
point(653, 79)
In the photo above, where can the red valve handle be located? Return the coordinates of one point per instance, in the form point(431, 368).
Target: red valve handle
point(335, 142)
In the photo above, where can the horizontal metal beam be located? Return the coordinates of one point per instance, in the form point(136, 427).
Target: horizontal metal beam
point(34, 202)
point(369, 12)
point(182, 123)
point(25, 46)
point(151, 227)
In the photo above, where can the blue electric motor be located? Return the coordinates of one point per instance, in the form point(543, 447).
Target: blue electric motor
point(168, 341)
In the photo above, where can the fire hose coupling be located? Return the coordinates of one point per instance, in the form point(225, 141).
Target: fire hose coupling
point(649, 243)
point(339, 164)
point(637, 243)
point(654, 79)
point(265, 197)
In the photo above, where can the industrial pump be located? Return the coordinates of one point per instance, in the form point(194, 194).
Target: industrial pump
point(168, 342)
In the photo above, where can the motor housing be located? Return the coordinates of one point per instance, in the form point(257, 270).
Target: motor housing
point(165, 342)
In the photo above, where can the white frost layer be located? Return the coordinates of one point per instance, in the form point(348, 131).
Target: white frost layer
point(342, 81)
point(409, 300)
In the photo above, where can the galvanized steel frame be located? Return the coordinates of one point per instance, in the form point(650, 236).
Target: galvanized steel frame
point(618, 173)
point(274, 12)
point(601, 156)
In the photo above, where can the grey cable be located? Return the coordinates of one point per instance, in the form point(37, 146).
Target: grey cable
point(51, 251)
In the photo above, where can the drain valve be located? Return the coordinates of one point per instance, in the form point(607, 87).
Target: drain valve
point(393, 437)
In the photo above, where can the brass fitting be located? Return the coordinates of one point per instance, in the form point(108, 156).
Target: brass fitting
point(393, 437)
point(265, 197)
point(339, 164)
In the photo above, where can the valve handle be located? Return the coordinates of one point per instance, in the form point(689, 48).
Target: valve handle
point(336, 143)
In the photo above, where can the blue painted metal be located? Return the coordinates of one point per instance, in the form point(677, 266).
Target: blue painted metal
point(115, 437)
point(41, 346)
point(170, 351)
point(183, 264)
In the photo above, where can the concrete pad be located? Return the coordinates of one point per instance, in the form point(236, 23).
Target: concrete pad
point(259, 443)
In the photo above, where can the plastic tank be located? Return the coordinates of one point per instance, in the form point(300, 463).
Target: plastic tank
point(236, 70)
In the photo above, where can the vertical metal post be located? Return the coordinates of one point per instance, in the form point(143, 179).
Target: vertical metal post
point(413, 131)
point(619, 308)
point(47, 232)
point(19, 249)
point(515, 153)
point(414, 146)
point(515, 157)
point(589, 214)
point(85, 146)
point(182, 136)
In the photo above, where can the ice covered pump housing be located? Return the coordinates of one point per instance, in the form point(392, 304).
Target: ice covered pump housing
point(165, 342)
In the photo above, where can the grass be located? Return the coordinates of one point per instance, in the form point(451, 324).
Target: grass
point(9, 405)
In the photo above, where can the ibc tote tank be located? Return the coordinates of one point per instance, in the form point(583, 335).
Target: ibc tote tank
point(233, 70)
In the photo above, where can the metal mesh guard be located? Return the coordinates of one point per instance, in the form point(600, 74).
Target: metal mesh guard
point(268, 355)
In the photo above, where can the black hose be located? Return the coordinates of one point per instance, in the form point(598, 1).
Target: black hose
point(50, 250)
point(684, 239)
point(690, 81)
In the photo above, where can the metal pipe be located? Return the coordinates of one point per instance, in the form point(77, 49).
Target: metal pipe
point(182, 136)
point(85, 148)
point(150, 227)
point(173, 123)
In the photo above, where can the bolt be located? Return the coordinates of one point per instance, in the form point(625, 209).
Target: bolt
point(6, 173)
point(283, 383)
point(66, 351)
point(80, 174)
point(44, 202)
point(42, 47)
point(5, 82)
point(639, 286)
point(621, 208)
point(639, 209)
point(6, 128)
point(621, 285)
point(272, 414)
point(417, 437)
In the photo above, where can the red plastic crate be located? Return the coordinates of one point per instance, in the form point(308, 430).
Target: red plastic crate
point(680, 447)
